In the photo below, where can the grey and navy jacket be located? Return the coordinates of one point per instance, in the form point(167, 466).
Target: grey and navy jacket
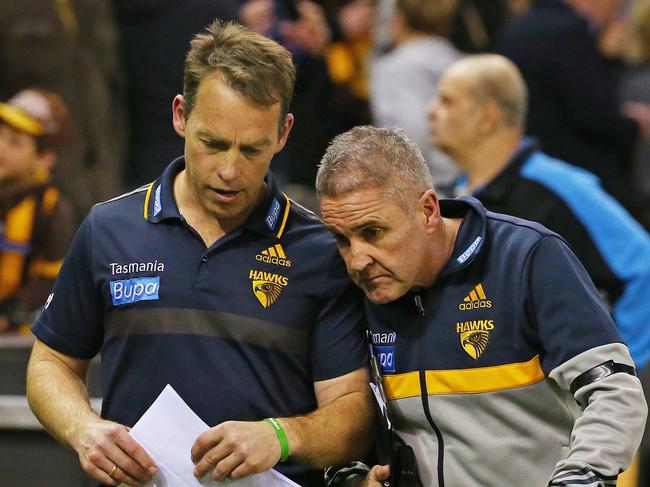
point(509, 371)
point(612, 246)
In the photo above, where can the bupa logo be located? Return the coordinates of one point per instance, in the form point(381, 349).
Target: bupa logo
point(470, 250)
point(386, 357)
point(133, 290)
point(273, 214)
point(157, 205)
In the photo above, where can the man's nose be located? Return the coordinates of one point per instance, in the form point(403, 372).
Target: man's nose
point(359, 257)
point(229, 165)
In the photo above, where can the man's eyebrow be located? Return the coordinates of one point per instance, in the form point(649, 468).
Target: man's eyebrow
point(204, 134)
point(364, 224)
point(256, 144)
point(213, 139)
point(355, 229)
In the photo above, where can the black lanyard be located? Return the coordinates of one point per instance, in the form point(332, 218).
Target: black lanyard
point(390, 448)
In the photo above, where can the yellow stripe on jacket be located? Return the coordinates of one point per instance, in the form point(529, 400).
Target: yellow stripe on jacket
point(465, 381)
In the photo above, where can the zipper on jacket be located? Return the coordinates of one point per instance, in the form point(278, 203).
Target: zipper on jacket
point(424, 395)
point(418, 304)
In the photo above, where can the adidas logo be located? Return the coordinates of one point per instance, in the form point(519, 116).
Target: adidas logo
point(274, 255)
point(475, 299)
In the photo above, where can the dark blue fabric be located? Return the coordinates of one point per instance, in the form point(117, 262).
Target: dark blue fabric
point(220, 378)
point(611, 245)
point(622, 242)
point(155, 36)
point(541, 300)
point(572, 102)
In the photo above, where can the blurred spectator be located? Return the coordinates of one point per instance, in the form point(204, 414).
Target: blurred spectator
point(478, 118)
point(634, 89)
point(477, 22)
point(405, 79)
point(347, 62)
point(383, 30)
point(573, 108)
point(36, 222)
point(69, 48)
point(303, 28)
point(154, 39)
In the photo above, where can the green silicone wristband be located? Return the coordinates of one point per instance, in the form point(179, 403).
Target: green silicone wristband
point(282, 437)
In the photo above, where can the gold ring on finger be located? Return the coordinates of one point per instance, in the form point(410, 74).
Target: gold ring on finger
point(113, 470)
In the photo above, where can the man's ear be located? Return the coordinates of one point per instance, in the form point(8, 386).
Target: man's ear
point(491, 117)
point(284, 133)
point(428, 207)
point(178, 115)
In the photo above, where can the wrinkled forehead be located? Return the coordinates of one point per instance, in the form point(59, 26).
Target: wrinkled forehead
point(354, 209)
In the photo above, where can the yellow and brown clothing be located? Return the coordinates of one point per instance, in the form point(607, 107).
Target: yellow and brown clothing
point(36, 226)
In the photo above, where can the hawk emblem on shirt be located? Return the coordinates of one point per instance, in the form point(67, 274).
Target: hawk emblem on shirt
point(267, 286)
point(475, 342)
point(266, 292)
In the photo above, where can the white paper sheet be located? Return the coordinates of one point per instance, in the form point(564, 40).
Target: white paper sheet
point(167, 431)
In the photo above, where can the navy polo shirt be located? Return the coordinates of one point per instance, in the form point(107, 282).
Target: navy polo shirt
point(241, 329)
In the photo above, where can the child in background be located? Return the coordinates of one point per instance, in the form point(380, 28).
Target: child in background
point(36, 223)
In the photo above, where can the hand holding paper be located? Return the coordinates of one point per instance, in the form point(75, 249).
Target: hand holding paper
point(237, 448)
point(108, 454)
point(168, 431)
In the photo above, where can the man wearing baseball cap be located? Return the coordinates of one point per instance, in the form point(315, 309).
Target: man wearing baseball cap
point(36, 223)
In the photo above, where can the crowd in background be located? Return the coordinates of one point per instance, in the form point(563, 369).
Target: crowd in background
point(117, 66)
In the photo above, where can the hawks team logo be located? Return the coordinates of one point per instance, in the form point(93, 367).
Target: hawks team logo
point(474, 335)
point(476, 339)
point(267, 286)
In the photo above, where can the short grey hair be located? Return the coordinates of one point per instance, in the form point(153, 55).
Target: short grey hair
point(369, 157)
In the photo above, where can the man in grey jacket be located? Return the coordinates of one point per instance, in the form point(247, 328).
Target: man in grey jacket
point(493, 342)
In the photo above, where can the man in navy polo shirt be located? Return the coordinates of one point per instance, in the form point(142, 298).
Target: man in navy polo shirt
point(209, 279)
point(492, 339)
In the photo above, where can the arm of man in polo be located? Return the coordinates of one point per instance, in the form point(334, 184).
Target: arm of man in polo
point(57, 369)
point(57, 393)
point(332, 434)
